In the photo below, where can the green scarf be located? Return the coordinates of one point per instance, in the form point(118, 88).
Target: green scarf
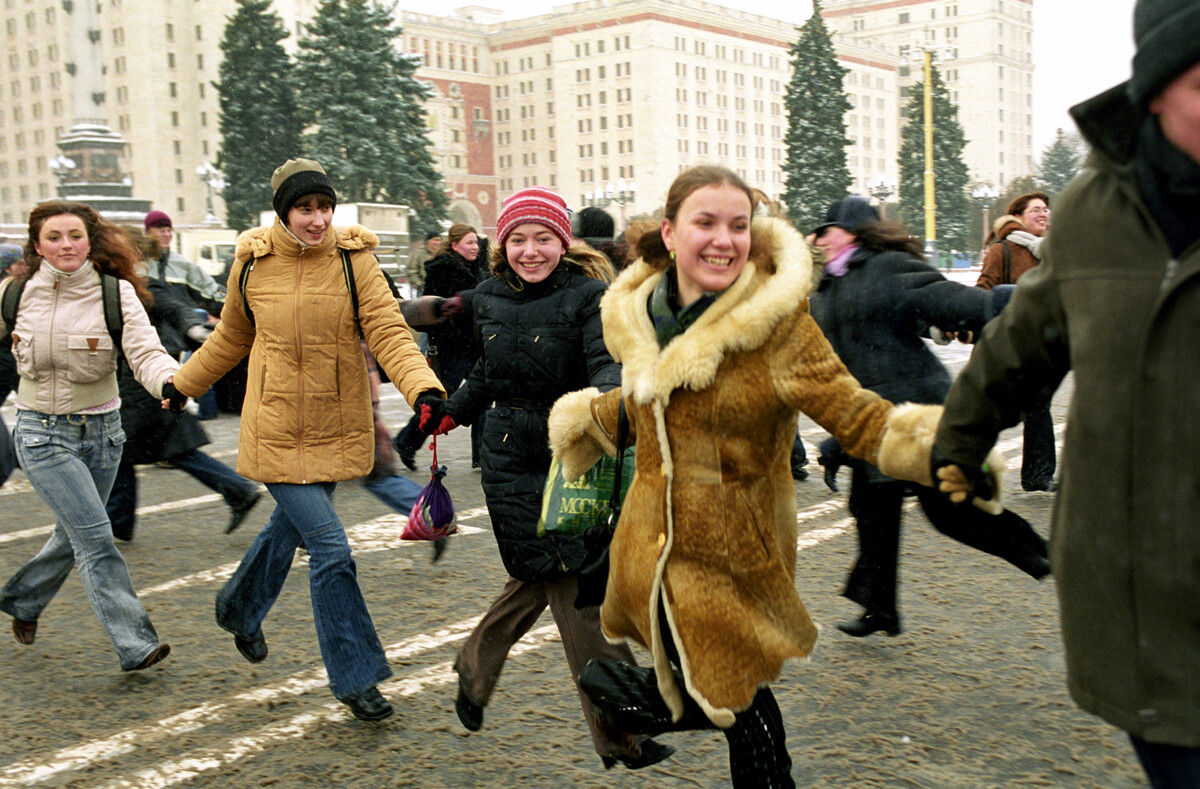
point(669, 320)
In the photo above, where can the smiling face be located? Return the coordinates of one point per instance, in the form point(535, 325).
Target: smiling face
point(1036, 216)
point(309, 221)
point(710, 237)
point(533, 251)
point(467, 246)
point(1178, 111)
point(63, 242)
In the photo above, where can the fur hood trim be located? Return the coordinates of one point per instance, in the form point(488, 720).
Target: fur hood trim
point(1006, 224)
point(777, 276)
point(259, 242)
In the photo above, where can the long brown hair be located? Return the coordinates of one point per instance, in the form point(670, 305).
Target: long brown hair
point(883, 236)
point(111, 251)
point(650, 246)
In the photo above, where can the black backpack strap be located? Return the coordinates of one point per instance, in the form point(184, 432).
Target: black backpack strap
point(244, 275)
point(8, 307)
point(114, 318)
point(352, 286)
point(1008, 280)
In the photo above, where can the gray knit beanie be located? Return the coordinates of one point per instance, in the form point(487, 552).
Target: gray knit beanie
point(295, 178)
point(1167, 34)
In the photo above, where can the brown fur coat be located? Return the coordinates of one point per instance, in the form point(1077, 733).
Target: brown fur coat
point(709, 524)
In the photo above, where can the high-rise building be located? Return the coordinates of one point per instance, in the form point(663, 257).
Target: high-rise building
point(984, 49)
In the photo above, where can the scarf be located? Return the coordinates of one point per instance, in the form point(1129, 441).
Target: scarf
point(669, 320)
point(841, 261)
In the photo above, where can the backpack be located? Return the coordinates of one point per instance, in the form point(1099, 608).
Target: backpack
point(110, 292)
point(347, 271)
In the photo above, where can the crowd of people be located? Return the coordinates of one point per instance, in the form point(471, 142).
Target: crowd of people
point(698, 341)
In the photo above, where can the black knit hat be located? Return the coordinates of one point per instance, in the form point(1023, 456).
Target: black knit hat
point(850, 213)
point(295, 178)
point(1168, 44)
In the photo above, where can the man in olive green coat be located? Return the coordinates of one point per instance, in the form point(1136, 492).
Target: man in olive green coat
point(1117, 300)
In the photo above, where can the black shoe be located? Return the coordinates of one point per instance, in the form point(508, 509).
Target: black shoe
point(439, 547)
point(651, 753)
point(870, 623)
point(1046, 487)
point(831, 471)
point(469, 713)
point(626, 698)
point(123, 534)
point(253, 648)
point(370, 705)
point(799, 473)
point(241, 510)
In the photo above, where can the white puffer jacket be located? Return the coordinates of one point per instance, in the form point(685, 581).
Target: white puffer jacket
point(63, 350)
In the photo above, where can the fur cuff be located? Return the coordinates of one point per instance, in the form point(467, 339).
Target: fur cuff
point(907, 444)
point(576, 439)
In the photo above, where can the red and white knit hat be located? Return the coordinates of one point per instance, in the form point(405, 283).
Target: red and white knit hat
point(534, 204)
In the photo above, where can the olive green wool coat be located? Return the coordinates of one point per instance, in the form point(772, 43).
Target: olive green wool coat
point(709, 523)
point(307, 413)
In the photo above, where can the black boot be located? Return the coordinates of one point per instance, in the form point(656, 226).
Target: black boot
point(871, 622)
point(626, 698)
point(758, 757)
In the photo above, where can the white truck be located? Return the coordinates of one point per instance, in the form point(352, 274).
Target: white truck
point(209, 248)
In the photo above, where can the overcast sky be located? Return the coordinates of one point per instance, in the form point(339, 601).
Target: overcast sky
point(1080, 47)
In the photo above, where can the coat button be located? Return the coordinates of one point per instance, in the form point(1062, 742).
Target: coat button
point(662, 540)
point(1148, 715)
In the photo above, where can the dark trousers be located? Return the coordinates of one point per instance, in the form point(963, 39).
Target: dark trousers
point(1038, 459)
point(510, 617)
point(876, 508)
point(122, 502)
point(1168, 766)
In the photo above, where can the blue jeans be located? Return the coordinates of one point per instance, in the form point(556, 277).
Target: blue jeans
point(350, 648)
point(399, 493)
point(1168, 766)
point(71, 461)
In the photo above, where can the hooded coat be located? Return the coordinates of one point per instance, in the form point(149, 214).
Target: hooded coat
point(1111, 303)
point(307, 413)
point(708, 527)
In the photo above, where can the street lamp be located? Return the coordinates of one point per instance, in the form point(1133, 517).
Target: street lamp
point(928, 53)
point(881, 189)
point(983, 196)
point(213, 180)
point(624, 194)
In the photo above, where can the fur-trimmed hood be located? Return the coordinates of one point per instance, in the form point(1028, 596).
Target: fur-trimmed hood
point(1007, 224)
point(259, 242)
point(777, 276)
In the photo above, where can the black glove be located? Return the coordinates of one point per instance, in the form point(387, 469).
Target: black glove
point(959, 482)
point(173, 399)
point(431, 408)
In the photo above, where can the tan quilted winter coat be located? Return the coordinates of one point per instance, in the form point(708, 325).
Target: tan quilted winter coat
point(709, 524)
point(307, 413)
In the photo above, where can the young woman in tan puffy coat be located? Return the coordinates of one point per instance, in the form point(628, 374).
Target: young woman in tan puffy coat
point(306, 420)
point(719, 353)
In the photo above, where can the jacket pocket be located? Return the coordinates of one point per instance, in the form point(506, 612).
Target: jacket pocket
point(90, 357)
point(23, 353)
point(114, 445)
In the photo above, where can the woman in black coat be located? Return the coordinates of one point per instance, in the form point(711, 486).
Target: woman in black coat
point(538, 326)
point(452, 348)
point(156, 434)
point(876, 301)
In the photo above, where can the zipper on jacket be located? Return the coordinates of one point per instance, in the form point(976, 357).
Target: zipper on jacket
point(299, 367)
point(53, 315)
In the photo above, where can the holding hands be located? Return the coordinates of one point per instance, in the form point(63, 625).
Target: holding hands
point(173, 399)
point(435, 420)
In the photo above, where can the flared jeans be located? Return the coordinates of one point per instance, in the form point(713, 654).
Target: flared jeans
point(350, 647)
point(71, 461)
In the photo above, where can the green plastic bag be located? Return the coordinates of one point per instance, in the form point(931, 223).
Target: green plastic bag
point(571, 508)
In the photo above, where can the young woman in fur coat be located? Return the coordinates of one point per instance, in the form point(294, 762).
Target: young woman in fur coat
point(719, 353)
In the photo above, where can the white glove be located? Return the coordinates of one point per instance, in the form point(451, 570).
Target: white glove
point(199, 333)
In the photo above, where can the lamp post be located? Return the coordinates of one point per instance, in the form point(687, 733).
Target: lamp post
point(213, 180)
point(624, 194)
point(881, 189)
point(930, 198)
point(983, 196)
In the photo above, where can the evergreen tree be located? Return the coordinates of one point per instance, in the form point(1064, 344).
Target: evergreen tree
point(949, 171)
point(1060, 162)
point(260, 128)
point(367, 110)
point(815, 173)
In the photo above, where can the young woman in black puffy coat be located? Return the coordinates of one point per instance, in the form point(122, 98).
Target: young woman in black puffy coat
point(537, 323)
